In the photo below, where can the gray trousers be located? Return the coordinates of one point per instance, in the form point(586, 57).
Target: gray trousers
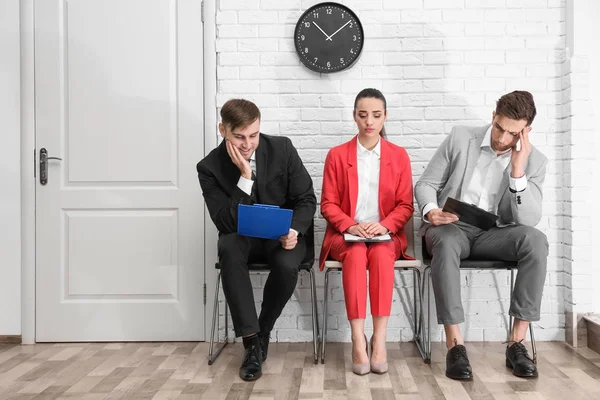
point(448, 244)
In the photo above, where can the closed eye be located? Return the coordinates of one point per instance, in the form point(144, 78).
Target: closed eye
point(501, 129)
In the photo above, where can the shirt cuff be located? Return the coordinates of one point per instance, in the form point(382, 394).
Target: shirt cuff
point(518, 184)
point(294, 231)
point(428, 207)
point(245, 185)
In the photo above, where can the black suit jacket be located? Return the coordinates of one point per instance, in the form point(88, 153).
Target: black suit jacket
point(282, 180)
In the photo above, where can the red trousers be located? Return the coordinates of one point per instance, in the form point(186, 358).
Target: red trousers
point(379, 258)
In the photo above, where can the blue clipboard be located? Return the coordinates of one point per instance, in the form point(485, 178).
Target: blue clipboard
point(263, 221)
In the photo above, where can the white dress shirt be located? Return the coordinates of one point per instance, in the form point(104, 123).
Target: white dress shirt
point(485, 183)
point(367, 204)
point(246, 184)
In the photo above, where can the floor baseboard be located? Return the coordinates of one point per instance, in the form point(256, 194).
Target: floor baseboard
point(10, 339)
point(592, 322)
point(575, 329)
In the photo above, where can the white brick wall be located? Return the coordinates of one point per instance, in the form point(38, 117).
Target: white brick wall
point(439, 63)
point(579, 161)
point(580, 84)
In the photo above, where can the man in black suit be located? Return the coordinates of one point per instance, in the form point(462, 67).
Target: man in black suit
point(250, 167)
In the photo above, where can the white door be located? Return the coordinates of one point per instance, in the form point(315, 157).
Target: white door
point(120, 221)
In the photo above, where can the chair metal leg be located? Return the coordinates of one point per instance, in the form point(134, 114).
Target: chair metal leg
point(212, 356)
point(315, 318)
point(324, 337)
point(421, 309)
point(415, 311)
point(422, 336)
point(426, 325)
point(534, 350)
point(226, 324)
point(510, 318)
point(419, 316)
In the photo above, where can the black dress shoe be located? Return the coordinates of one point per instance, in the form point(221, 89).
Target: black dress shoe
point(519, 361)
point(264, 344)
point(457, 363)
point(251, 368)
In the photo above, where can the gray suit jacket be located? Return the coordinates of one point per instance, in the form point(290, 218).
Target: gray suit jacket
point(451, 168)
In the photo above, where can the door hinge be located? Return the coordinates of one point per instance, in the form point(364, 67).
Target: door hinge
point(202, 11)
point(204, 289)
point(34, 163)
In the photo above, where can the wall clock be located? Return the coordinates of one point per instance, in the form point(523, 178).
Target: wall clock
point(328, 37)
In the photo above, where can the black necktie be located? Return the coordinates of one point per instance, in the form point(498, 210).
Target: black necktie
point(254, 191)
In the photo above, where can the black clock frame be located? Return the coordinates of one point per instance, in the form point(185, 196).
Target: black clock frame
point(299, 47)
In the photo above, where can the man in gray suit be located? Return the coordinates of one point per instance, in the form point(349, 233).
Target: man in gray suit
point(496, 168)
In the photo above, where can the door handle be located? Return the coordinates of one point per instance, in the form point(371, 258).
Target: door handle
point(44, 165)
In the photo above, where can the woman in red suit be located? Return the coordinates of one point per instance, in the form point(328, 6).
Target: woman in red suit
point(367, 191)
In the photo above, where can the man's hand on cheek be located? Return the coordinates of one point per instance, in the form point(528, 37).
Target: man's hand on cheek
point(239, 161)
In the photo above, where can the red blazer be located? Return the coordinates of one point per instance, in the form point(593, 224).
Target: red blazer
point(340, 192)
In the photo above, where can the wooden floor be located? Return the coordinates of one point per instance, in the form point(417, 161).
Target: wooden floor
point(180, 371)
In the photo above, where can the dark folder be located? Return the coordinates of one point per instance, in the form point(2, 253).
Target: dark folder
point(471, 214)
point(263, 221)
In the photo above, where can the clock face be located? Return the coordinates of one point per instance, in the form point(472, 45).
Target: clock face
point(328, 37)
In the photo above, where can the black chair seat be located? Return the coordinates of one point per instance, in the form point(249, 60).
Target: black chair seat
point(487, 264)
point(262, 266)
point(472, 263)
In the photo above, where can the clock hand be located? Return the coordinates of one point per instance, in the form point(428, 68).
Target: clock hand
point(328, 37)
point(339, 30)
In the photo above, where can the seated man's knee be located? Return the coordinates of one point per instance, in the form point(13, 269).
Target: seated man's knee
point(284, 261)
point(286, 270)
point(443, 238)
point(230, 239)
point(231, 247)
point(535, 241)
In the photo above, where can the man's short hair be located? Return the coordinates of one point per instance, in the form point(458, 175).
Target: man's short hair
point(517, 105)
point(239, 113)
